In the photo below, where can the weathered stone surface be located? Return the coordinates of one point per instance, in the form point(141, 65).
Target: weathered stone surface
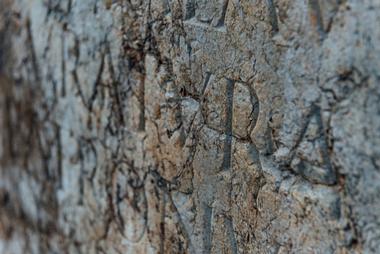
point(193, 126)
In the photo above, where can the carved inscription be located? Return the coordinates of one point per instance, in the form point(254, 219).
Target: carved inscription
point(226, 103)
point(311, 159)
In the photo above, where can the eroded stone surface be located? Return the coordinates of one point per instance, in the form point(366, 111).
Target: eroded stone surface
point(189, 126)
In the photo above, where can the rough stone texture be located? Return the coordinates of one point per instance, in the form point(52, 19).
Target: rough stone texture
point(189, 126)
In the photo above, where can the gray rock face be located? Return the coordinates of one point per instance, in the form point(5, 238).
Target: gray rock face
point(193, 126)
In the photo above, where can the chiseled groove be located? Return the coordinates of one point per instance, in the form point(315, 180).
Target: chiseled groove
point(226, 165)
point(272, 15)
point(231, 235)
point(36, 68)
point(207, 233)
point(59, 154)
point(162, 224)
point(330, 177)
point(222, 19)
point(63, 65)
point(316, 17)
point(142, 105)
point(206, 83)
